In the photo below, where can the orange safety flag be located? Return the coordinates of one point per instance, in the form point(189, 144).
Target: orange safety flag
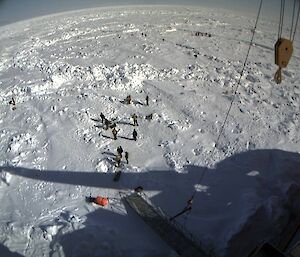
point(103, 201)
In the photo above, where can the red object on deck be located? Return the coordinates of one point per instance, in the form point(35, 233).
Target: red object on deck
point(103, 201)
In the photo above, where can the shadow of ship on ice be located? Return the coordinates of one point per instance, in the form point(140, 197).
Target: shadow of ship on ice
point(5, 252)
point(231, 213)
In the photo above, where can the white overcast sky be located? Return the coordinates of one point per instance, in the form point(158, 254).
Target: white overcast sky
point(16, 10)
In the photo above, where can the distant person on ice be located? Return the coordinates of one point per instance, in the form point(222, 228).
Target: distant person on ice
point(120, 151)
point(147, 100)
point(134, 135)
point(102, 117)
point(13, 103)
point(134, 117)
point(107, 123)
point(114, 132)
point(118, 161)
point(128, 99)
point(126, 157)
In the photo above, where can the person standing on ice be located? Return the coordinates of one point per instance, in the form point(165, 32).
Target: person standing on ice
point(147, 100)
point(114, 132)
point(134, 135)
point(120, 151)
point(102, 117)
point(118, 161)
point(128, 99)
point(134, 117)
point(126, 157)
point(107, 123)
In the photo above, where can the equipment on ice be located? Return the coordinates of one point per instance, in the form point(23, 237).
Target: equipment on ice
point(283, 54)
point(149, 117)
point(283, 46)
point(102, 201)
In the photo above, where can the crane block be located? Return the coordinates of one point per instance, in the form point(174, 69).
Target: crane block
point(283, 52)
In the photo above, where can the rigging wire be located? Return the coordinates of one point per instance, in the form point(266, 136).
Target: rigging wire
point(232, 101)
point(296, 24)
point(292, 27)
point(281, 18)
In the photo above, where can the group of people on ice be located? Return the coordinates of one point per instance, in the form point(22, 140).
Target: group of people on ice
point(119, 156)
point(107, 124)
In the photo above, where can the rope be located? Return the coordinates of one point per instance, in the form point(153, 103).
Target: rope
point(281, 18)
point(232, 101)
point(296, 24)
point(186, 217)
point(292, 27)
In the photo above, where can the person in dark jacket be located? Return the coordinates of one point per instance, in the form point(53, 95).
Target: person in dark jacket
point(107, 123)
point(102, 117)
point(120, 151)
point(126, 157)
point(134, 135)
point(118, 161)
point(128, 99)
point(114, 132)
point(134, 117)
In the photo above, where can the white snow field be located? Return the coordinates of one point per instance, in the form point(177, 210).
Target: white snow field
point(64, 70)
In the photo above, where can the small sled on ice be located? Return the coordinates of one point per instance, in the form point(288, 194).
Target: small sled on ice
point(102, 201)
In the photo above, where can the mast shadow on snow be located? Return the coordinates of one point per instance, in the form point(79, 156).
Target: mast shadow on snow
point(229, 192)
